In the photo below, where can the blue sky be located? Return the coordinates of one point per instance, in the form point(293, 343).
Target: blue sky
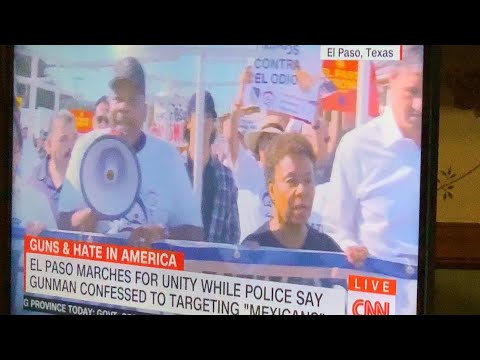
point(92, 81)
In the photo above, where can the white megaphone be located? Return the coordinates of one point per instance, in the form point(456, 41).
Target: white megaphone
point(110, 177)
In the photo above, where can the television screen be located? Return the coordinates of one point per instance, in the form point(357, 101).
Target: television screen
point(221, 179)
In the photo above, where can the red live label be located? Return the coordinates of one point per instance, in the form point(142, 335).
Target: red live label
point(372, 285)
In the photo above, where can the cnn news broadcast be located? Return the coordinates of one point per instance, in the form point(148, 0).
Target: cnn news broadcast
point(216, 179)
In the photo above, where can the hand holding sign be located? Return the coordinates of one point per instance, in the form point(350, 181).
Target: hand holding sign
point(304, 80)
point(34, 228)
point(246, 78)
point(356, 254)
point(84, 220)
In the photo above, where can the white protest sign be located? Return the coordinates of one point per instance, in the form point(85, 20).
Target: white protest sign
point(169, 118)
point(275, 86)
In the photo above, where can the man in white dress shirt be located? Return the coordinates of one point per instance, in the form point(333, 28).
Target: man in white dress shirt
point(374, 192)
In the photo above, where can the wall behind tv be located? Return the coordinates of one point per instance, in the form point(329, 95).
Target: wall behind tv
point(458, 198)
point(457, 288)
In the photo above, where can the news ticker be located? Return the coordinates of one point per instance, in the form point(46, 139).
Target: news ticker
point(62, 307)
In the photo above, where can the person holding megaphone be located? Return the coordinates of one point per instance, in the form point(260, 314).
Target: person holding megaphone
point(164, 206)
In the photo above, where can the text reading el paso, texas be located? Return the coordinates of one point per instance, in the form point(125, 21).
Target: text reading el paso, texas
point(361, 52)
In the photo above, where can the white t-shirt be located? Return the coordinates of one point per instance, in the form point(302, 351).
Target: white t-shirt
point(29, 160)
point(319, 206)
point(166, 196)
point(254, 203)
point(247, 171)
point(29, 205)
point(249, 212)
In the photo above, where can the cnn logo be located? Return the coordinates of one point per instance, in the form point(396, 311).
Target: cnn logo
point(368, 307)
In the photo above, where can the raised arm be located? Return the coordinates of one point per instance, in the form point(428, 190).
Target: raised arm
point(232, 122)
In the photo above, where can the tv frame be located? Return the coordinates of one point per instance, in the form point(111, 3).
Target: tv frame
point(428, 179)
point(429, 160)
point(6, 110)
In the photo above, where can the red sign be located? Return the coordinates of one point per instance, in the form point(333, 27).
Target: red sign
point(83, 120)
point(344, 75)
point(162, 259)
point(372, 285)
point(369, 295)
